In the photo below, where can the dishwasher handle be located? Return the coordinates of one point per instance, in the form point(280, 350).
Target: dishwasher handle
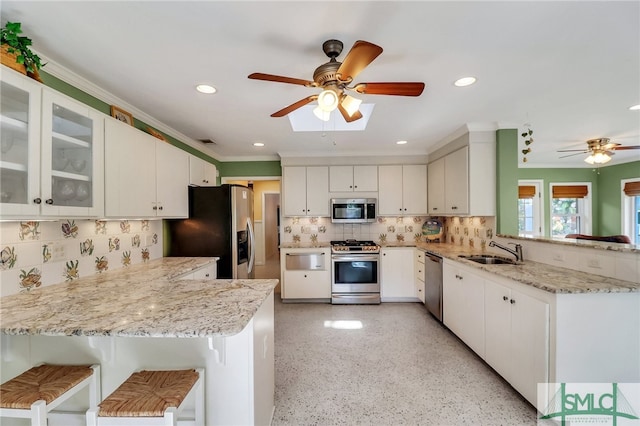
point(433, 257)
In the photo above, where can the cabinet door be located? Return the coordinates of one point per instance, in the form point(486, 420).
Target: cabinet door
point(72, 162)
point(456, 182)
point(365, 178)
point(206, 273)
point(210, 174)
point(294, 183)
point(396, 272)
point(307, 285)
point(20, 101)
point(414, 189)
point(419, 274)
point(172, 180)
point(341, 178)
point(130, 171)
point(390, 190)
point(435, 187)
point(497, 327)
point(196, 171)
point(529, 344)
point(317, 190)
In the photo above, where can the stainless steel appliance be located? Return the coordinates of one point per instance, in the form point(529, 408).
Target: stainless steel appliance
point(353, 210)
point(433, 284)
point(220, 225)
point(355, 272)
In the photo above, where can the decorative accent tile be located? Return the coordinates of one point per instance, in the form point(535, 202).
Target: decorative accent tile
point(287, 229)
point(400, 237)
point(125, 226)
point(135, 241)
point(86, 247)
point(322, 229)
point(382, 238)
point(382, 220)
point(71, 271)
point(46, 253)
point(31, 279)
point(296, 238)
point(313, 220)
point(69, 229)
point(101, 227)
point(145, 254)
point(8, 258)
point(126, 258)
point(391, 228)
point(144, 225)
point(314, 238)
point(417, 237)
point(102, 264)
point(29, 230)
point(114, 244)
point(154, 239)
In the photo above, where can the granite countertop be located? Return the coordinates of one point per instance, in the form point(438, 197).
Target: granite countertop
point(140, 300)
point(539, 275)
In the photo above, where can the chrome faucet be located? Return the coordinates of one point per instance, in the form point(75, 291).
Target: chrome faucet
point(517, 252)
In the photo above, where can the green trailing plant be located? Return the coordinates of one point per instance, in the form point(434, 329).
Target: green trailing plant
point(528, 140)
point(10, 35)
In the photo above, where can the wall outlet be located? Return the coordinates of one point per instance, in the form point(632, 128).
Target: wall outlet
point(593, 262)
point(148, 241)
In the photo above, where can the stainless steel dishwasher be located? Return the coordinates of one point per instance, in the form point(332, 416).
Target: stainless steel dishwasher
point(433, 284)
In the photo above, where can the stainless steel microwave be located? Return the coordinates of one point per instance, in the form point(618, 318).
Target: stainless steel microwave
point(353, 210)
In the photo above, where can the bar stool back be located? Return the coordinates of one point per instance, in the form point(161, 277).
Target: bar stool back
point(41, 389)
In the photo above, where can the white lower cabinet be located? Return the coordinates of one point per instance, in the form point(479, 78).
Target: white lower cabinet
point(463, 304)
point(306, 274)
point(206, 272)
point(396, 274)
point(517, 337)
point(419, 273)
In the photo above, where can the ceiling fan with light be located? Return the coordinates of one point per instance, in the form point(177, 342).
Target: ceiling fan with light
point(334, 78)
point(600, 150)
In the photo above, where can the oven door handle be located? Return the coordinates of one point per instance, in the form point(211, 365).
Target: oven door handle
point(355, 258)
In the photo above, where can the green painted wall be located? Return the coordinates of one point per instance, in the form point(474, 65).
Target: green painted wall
point(507, 190)
point(610, 197)
point(250, 168)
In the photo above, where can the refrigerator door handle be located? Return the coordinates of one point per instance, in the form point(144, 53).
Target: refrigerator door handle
point(252, 242)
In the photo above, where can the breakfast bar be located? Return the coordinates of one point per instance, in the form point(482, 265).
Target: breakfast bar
point(148, 316)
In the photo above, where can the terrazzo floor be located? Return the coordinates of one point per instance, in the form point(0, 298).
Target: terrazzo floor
point(401, 368)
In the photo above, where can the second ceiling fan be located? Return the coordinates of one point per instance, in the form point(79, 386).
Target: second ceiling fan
point(335, 79)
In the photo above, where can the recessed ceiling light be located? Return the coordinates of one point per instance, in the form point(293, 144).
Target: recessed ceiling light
point(401, 142)
point(465, 81)
point(635, 107)
point(258, 144)
point(205, 88)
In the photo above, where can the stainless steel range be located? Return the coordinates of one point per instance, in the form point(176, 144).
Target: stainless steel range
point(355, 272)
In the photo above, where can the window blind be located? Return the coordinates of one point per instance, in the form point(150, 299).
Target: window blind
point(632, 189)
point(570, 191)
point(526, 191)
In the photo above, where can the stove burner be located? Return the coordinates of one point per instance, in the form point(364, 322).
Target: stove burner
point(353, 245)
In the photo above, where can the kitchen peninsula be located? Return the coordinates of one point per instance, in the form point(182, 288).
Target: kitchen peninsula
point(149, 316)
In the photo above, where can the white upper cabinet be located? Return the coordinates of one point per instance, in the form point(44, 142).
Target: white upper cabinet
point(353, 178)
point(305, 191)
point(463, 182)
point(145, 177)
point(52, 153)
point(201, 172)
point(402, 190)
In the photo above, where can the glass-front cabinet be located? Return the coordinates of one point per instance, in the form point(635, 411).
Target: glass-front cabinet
point(52, 146)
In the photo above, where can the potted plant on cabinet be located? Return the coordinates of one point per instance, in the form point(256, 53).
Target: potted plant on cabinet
point(16, 53)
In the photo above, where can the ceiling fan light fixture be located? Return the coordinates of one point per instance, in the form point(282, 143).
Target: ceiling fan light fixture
point(464, 81)
point(322, 114)
point(328, 100)
point(635, 107)
point(598, 157)
point(351, 104)
point(206, 88)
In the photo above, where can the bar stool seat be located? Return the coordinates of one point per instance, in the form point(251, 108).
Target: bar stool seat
point(151, 397)
point(41, 389)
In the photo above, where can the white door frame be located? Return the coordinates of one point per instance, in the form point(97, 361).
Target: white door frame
point(539, 205)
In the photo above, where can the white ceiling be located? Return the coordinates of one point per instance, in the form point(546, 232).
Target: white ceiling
point(570, 69)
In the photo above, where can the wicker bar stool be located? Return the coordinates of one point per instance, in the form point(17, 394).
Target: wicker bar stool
point(152, 397)
point(39, 390)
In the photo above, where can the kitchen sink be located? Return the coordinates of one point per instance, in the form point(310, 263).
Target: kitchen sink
point(489, 260)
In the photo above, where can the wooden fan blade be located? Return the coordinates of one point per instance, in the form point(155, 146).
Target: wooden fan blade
point(280, 79)
point(356, 115)
point(361, 54)
point(294, 106)
point(395, 89)
point(622, 148)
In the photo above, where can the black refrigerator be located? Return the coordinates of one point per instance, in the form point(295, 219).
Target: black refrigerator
point(220, 224)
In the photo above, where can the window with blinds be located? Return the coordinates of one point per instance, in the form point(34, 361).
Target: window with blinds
point(570, 209)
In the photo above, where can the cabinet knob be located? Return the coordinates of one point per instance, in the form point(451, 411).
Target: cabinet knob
point(160, 208)
point(49, 201)
point(37, 200)
point(434, 209)
point(155, 207)
point(305, 275)
point(513, 302)
point(206, 275)
point(454, 208)
point(505, 298)
point(350, 186)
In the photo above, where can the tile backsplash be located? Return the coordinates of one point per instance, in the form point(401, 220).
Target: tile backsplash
point(35, 254)
point(467, 231)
